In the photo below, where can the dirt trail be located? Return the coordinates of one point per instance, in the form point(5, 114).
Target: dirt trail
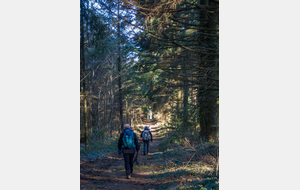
point(109, 173)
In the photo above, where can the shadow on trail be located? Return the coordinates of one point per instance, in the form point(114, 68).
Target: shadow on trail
point(109, 172)
point(155, 170)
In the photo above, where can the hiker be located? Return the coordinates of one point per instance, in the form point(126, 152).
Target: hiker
point(146, 138)
point(128, 143)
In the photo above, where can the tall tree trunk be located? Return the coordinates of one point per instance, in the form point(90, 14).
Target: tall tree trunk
point(85, 124)
point(111, 101)
point(82, 71)
point(207, 97)
point(119, 69)
point(111, 112)
point(213, 106)
point(185, 104)
point(98, 109)
point(105, 114)
point(185, 90)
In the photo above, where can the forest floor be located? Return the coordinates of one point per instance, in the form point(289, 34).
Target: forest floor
point(152, 172)
point(109, 172)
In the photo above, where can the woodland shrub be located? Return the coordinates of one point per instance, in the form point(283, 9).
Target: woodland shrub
point(99, 148)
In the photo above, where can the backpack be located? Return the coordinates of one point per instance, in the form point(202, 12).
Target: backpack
point(146, 135)
point(128, 140)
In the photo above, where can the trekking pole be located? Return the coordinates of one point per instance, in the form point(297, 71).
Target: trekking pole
point(135, 159)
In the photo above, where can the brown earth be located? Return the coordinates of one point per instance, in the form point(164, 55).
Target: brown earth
point(109, 172)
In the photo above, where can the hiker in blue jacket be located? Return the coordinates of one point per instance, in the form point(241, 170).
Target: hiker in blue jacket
point(128, 143)
point(146, 138)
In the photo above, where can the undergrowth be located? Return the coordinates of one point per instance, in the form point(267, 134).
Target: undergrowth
point(185, 165)
point(99, 148)
point(175, 168)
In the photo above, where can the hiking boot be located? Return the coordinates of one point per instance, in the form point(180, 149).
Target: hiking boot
point(128, 177)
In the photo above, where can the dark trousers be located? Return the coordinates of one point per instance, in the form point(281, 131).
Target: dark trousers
point(128, 163)
point(146, 144)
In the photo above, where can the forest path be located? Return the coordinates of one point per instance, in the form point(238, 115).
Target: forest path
point(109, 173)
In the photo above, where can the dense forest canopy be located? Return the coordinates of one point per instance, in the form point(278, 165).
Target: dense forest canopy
point(158, 54)
point(150, 63)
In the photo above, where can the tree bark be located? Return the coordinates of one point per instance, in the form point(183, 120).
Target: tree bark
point(185, 104)
point(85, 124)
point(119, 69)
point(208, 111)
point(82, 71)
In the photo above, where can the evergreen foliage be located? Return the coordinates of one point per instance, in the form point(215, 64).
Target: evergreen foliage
point(139, 54)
